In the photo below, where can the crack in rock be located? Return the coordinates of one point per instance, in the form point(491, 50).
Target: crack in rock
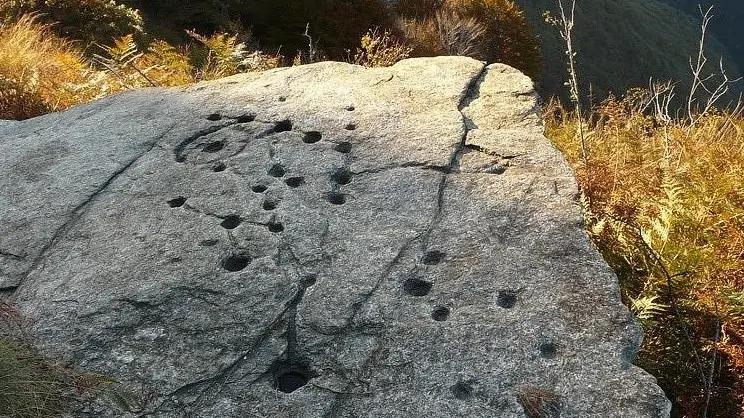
point(82, 207)
point(451, 168)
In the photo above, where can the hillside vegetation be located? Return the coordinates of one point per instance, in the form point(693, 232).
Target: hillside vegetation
point(621, 44)
point(662, 193)
point(726, 26)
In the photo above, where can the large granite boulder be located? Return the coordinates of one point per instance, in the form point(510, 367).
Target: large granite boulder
point(318, 241)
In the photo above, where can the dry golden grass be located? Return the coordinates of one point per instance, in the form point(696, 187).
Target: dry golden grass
point(380, 50)
point(664, 202)
point(41, 73)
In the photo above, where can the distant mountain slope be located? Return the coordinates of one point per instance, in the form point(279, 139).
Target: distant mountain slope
point(727, 24)
point(620, 44)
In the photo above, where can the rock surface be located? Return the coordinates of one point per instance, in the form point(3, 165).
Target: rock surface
point(318, 241)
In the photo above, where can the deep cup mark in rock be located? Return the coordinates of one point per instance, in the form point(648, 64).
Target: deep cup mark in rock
point(283, 126)
point(293, 372)
point(275, 227)
point(350, 108)
point(276, 170)
point(289, 376)
point(282, 99)
point(213, 147)
point(506, 299)
point(432, 257)
point(343, 147)
point(269, 205)
point(417, 287)
point(236, 261)
point(312, 137)
point(462, 390)
point(548, 350)
point(309, 280)
point(335, 198)
point(179, 149)
point(214, 117)
point(231, 222)
point(295, 181)
point(350, 127)
point(219, 166)
point(246, 118)
point(177, 202)
point(341, 176)
point(259, 188)
point(440, 313)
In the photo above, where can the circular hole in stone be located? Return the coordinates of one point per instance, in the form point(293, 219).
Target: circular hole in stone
point(309, 280)
point(214, 117)
point(181, 159)
point(246, 118)
point(312, 137)
point(548, 350)
point(231, 222)
point(343, 147)
point(417, 287)
point(269, 205)
point(282, 99)
point(336, 198)
point(208, 243)
point(289, 382)
point(440, 313)
point(432, 257)
point(259, 188)
point(236, 262)
point(177, 202)
point(213, 146)
point(341, 176)
point(295, 181)
point(350, 108)
point(283, 126)
point(276, 170)
point(350, 127)
point(462, 390)
point(218, 166)
point(275, 227)
point(506, 299)
point(289, 378)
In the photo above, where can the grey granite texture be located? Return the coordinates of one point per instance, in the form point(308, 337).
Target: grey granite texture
point(318, 241)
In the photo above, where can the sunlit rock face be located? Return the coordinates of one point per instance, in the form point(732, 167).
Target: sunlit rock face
point(318, 241)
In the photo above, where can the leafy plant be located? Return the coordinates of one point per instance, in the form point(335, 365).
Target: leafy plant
point(664, 203)
point(41, 73)
point(88, 21)
point(490, 30)
point(380, 50)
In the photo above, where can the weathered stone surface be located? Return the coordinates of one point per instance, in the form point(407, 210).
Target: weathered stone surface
point(402, 240)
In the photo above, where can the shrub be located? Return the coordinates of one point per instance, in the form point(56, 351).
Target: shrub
point(162, 64)
point(664, 203)
point(41, 73)
point(490, 30)
point(89, 21)
point(446, 33)
point(380, 50)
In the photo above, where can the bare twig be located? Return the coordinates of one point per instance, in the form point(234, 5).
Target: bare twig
point(696, 109)
point(312, 48)
point(709, 381)
point(565, 26)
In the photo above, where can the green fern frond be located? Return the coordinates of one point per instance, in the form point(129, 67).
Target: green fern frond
point(647, 307)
